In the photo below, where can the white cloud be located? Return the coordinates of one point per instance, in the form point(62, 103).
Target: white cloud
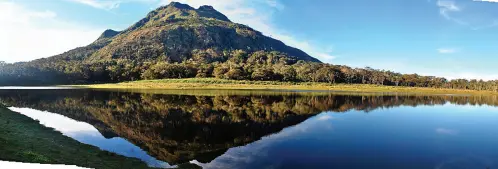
point(102, 4)
point(326, 117)
point(108, 4)
point(468, 13)
point(28, 34)
point(486, 1)
point(447, 7)
point(469, 75)
point(454, 67)
point(447, 50)
point(249, 13)
point(275, 4)
point(453, 70)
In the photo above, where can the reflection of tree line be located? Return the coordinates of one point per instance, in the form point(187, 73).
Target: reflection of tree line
point(179, 128)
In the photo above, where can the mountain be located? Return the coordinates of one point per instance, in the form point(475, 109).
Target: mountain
point(178, 32)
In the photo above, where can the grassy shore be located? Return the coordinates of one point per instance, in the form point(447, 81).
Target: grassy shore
point(212, 83)
point(25, 140)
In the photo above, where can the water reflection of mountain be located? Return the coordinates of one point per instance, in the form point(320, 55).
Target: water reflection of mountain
point(179, 128)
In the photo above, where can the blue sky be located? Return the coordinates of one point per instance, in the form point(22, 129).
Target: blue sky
point(449, 38)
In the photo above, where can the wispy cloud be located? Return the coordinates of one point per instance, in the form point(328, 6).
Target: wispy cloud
point(325, 117)
point(447, 50)
point(102, 4)
point(471, 75)
point(275, 4)
point(486, 1)
point(446, 7)
point(109, 4)
point(42, 32)
point(468, 13)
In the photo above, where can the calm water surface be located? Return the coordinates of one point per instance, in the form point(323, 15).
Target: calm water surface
point(273, 129)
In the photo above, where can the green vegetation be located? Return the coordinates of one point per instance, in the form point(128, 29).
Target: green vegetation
point(25, 140)
point(214, 83)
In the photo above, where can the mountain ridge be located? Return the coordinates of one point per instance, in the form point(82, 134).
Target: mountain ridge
point(174, 31)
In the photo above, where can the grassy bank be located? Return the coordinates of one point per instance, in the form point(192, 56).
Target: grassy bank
point(212, 83)
point(25, 140)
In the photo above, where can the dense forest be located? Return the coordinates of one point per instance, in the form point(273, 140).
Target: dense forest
point(178, 41)
point(238, 65)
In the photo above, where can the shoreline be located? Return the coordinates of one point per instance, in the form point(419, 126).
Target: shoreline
point(24, 140)
point(222, 84)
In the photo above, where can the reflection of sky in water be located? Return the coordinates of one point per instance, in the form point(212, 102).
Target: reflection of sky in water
point(86, 133)
point(440, 137)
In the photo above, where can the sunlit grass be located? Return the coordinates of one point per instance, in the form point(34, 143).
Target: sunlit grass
point(213, 83)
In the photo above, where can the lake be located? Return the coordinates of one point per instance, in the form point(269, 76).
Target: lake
point(273, 129)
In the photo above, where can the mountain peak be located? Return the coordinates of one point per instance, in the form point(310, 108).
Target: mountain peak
point(109, 33)
point(206, 7)
point(184, 11)
point(179, 6)
point(205, 11)
point(210, 12)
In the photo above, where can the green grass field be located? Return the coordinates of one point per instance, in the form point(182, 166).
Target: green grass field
point(212, 83)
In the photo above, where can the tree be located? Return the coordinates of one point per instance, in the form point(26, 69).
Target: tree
point(325, 74)
point(238, 56)
point(262, 74)
point(348, 73)
point(204, 70)
point(220, 70)
point(288, 73)
point(235, 74)
point(165, 70)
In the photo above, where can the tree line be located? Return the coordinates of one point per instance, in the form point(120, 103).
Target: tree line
point(236, 65)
